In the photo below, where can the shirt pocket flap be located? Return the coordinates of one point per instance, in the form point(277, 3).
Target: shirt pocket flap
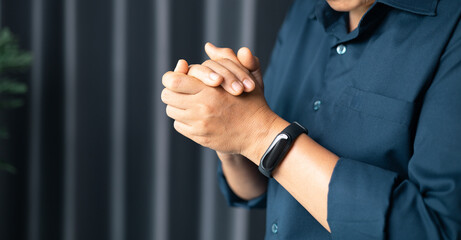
point(376, 105)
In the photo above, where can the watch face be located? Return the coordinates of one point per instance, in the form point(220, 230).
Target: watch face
point(275, 150)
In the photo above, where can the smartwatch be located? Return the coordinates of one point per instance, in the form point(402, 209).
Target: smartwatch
point(279, 148)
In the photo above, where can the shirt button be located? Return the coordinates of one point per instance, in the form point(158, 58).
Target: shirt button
point(341, 49)
point(275, 228)
point(317, 105)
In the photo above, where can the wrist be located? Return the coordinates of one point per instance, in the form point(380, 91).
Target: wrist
point(228, 157)
point(263, 135)
point(231, 160)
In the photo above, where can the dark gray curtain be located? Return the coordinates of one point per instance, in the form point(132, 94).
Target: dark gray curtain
point(97, 157)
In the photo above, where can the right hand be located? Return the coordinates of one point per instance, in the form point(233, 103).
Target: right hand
point(235, 81)
point(244, 58)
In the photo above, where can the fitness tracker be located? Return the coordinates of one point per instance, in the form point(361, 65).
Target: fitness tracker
point(279, 148)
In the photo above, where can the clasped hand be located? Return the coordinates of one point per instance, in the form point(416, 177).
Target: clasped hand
point(219, 104)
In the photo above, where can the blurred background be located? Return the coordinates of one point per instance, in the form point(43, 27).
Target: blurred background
point(89, 152)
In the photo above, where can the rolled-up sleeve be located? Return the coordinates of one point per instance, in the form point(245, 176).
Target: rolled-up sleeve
point(368, 202)
point(234, 200)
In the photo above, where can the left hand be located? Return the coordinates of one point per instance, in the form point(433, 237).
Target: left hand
point(213, 118)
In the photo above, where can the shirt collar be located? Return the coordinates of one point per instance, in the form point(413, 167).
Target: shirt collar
point(423, 7)
point(334, 22)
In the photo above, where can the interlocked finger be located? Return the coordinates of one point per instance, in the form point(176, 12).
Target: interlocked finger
point(206, 75)
point(178, 114)
point(240, 72)
point(177, 100)
point(181, 83)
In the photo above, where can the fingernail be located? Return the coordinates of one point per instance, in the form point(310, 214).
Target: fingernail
point(214, 76)
point(177, 65)
point(248, 84)
point(237, 86)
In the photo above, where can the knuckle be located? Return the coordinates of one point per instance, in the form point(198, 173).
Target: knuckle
point(171, 80)
point(175, 83)
point(206, 110)
point(202, 127)
point(165, 77)
point(199, 132)
point(205, 141)
point(168, 111)
point(241, 71)
point(228, 75)
point(202, 132)
point(226, 61)
point(208, 62)
point(198, 72)
point(227, 51)
point(180, 129)
point(240, 75)
point(164, 95)
point(193, 67)
point(176, 126)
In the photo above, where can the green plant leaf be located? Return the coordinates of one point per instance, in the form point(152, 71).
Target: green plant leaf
point(7, 167)
point(12, 87)
point(12, 58)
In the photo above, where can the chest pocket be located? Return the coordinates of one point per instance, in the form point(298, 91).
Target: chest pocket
point(376, 106)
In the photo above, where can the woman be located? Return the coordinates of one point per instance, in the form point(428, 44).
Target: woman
point(377, 84)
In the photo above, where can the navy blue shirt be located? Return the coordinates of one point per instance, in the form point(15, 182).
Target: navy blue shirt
point(386, 98)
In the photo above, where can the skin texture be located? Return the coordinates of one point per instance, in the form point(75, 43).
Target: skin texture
point(242, 175)
point(211, 116)
point(356, 9)
point(240, 126)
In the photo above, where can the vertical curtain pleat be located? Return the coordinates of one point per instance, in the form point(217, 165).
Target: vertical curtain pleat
point(70, 119)
point(248, 24)
point(161, 130)
point(207, 195)
point(208, 157)
point(36, 82)
point(118, 144)
point(247, 30)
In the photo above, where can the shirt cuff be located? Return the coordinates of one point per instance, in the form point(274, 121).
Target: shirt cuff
point(234, 200)
point(358, 200)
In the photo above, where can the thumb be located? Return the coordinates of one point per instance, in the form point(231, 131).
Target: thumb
point(247, 59)
point(182, 66)
point(215, 53)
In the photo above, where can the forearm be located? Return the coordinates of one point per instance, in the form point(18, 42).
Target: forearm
point(305, 172)
point(242, 176)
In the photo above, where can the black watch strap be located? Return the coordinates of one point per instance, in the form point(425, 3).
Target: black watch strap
point(279, 148)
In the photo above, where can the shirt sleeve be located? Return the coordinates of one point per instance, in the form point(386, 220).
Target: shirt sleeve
point(234, 200)
point(367, 202)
